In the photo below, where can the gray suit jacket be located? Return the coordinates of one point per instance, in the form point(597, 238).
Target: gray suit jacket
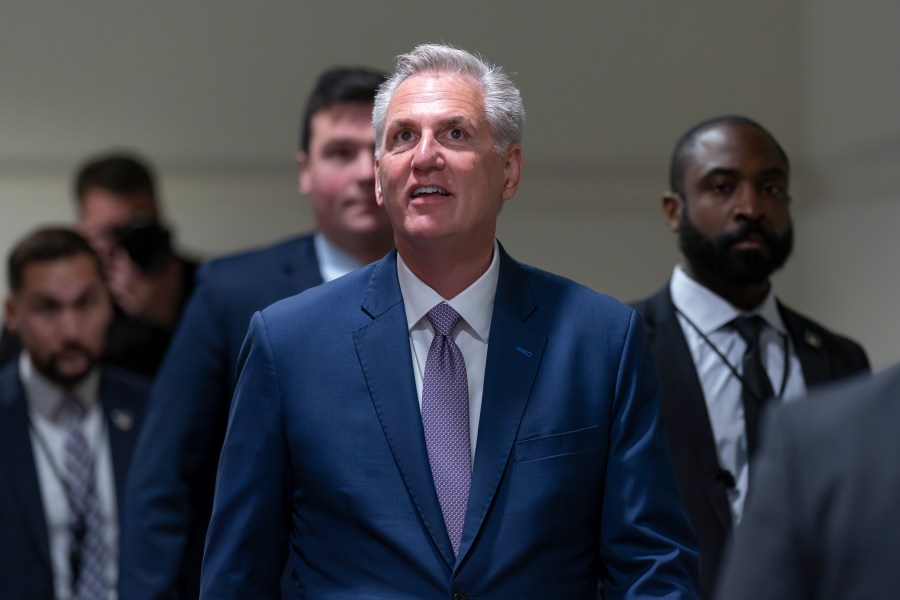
point(823, 520)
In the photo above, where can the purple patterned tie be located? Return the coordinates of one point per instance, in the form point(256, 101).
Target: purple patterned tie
point(445, 417)
point(88, 551)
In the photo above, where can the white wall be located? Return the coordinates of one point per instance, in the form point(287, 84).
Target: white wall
point(211, 92)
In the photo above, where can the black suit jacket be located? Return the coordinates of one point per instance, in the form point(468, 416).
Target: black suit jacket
point(823, 521)
point(25, 567)
point(824, 356)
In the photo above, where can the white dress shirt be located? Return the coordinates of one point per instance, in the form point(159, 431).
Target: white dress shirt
point(711, 314)
point(48, 435)
point(475, 305)
point(333, 260)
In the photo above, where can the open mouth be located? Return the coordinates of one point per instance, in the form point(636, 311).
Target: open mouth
point(430, 190)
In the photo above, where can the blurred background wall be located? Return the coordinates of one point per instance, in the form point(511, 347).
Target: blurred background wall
point(210, 92)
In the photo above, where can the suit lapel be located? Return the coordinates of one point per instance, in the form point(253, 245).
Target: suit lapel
point(513, 358)
point(683, 402)
point(18, 462)
point(121, 424)
point(393, 389)
point(810, 347)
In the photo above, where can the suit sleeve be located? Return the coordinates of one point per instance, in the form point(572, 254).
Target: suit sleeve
point(766, 559)
point(245, 545)
point(169, 491)
point(647, 545)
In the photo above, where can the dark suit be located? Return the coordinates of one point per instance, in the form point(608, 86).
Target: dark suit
point(823, 522)
point(169, 495)
point(25, 567)
point(823, 356)
point(325, 449)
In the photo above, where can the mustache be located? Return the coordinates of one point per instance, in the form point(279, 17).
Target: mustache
point(744, 232)
point(73, 347)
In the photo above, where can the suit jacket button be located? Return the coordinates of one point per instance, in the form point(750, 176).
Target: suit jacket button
point(460, 596)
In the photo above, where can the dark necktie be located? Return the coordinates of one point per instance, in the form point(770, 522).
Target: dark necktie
point(757, 389)
point(88, 550)
point(445, 418)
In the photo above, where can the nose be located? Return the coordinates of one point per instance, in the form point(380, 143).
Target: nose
point(365, 165)
point(428, 154)
point(69, 323)
point(749, 203)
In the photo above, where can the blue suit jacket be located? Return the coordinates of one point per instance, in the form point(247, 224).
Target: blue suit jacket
point(25, 567)
point(170, 491)
point(571, 477)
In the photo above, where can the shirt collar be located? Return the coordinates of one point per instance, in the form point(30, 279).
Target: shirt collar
point(710, 312)
point(46, 397)
point(333, 260)
point(475, 304)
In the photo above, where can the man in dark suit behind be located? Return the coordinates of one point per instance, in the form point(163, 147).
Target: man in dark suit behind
point(68, 425)
point(729, 204)
point(447, 422)
point(822, 522)
point(169, 496)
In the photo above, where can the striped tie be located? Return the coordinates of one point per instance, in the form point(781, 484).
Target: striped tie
point(88, 550)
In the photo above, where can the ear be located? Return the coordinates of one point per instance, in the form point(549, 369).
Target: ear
point(673, 207)
point(515, 162)
point(379, 196)
point(9, 308)
point(304, 177)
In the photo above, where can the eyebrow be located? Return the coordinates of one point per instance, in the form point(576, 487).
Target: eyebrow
point(446, 122)
point(724, 171)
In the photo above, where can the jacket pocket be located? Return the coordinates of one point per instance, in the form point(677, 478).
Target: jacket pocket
point(558, 444)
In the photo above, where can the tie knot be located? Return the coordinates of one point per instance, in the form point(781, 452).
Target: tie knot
point(749, 328)
point(72, 410)
point(444, 319)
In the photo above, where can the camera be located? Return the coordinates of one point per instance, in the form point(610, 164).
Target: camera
point(148, 244)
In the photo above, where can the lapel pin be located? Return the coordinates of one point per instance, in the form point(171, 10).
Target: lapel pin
point(813, 339)
point(122, 418)
point(522, 350)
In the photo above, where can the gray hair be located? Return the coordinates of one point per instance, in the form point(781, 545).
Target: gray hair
point(503, 106)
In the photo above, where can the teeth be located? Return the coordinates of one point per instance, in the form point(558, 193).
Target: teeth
point(430, 190)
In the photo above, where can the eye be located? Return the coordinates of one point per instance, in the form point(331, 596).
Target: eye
point(722, 188)
point(457, 134)
point(774, 190)
point(404, 136)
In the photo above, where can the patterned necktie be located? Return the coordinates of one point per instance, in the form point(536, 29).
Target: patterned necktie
point(88, 550)
point(757, 388)
point(445, 417)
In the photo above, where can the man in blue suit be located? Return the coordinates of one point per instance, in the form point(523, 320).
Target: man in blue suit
point(169, 496)
point(447, 423)
point(67, 425)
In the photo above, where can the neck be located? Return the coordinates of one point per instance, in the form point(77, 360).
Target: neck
point(448, 271)
point(741, 295)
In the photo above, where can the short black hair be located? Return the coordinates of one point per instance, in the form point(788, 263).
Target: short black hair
point(341, 84)
point(44, 245)
point(685, 144)
point(122, 173)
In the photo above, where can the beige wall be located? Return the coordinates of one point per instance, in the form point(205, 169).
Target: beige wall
point(211, 90)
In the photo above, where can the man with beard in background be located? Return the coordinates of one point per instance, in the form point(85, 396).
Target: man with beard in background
point(723, 344)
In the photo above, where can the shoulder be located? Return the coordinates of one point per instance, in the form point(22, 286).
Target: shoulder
point(10, 387)
point(807, 330)
point(124, 381)
point(847, 411)
point(247, 263)
point(654, 308)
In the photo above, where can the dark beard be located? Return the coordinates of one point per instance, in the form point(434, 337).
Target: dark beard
point(50, 367)
point(717, 260)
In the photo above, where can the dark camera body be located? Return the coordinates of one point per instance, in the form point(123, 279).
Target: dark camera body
point(148, 244)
